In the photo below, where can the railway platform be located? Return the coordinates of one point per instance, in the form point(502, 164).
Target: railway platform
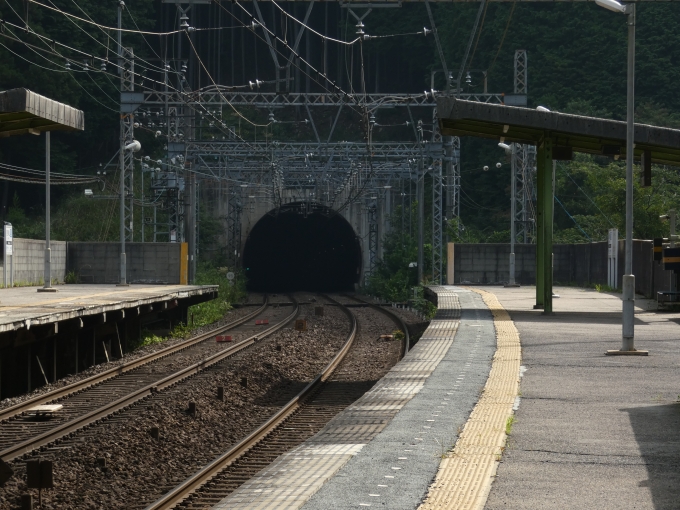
point(459, 423)
point(44, 336)
point(386, 447)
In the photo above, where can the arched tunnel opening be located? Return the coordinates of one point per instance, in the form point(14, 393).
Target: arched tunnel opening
point(302, 246)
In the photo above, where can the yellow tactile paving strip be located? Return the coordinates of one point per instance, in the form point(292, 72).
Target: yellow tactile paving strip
point(465, 475)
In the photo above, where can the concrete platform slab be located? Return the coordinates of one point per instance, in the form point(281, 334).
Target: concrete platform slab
point(23, 307)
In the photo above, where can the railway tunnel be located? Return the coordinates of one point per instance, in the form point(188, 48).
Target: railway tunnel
point(302, 246)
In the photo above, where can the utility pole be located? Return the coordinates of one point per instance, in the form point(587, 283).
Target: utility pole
point(190, 219)
point(420, 191)
point(127, 146)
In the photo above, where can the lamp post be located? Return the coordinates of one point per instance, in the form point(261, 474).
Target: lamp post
point(133, 146)
point(47, 272)
point(628, 282)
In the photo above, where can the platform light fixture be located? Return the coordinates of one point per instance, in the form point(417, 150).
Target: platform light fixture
point(612, 5)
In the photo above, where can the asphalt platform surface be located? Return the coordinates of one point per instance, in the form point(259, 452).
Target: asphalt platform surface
point(395, 469)
point(592, 431)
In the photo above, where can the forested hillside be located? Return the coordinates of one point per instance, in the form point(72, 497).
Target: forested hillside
point(577, 57)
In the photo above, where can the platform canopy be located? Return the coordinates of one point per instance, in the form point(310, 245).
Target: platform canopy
point(569, 133)
point(23, 111)
point(556, 136)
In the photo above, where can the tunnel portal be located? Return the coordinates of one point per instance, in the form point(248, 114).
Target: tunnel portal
point(302, 246)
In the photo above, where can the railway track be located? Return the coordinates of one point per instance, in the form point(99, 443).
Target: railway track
point(302, 417)
point(398, 320)
point(105, 394)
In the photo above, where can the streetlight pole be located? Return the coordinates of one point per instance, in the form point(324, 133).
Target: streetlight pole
point(513, 214)
point(47, 272)
point(628, 282)
point(629, 278)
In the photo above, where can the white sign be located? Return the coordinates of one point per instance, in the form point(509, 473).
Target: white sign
point(230, 276)
point(613, 258)
point(8, 239)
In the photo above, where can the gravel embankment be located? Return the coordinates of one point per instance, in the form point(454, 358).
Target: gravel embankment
point(139, 468)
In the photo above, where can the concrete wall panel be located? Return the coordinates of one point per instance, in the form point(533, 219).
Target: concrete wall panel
point(573, 264)
point(146, 262)
point(29, 261)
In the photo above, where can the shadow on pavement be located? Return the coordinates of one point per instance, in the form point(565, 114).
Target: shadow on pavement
point(657, 432)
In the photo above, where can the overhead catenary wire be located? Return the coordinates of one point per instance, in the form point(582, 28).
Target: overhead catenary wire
point(479, 34)
point(105, 27)
point(573, 219)
point(184, 96)
point(587, 196)
point(500, 46)
point(337, 90)
point(293, 62)
point(307, 27)
point(155, 81)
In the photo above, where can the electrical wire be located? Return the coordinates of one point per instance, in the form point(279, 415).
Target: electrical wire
point(290, 16)
point(572, 219)
point(479, 34)
point(32, 63)
point(139, 30)
point(337, 90)
point(115, 29)
point(587, 196)
point(101, 27)
point(215, 84)
point(30, 171)
point(507, 25)
point(52, 51)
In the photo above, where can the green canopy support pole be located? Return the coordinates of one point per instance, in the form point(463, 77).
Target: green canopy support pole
point(540, 219)
point(544, 206)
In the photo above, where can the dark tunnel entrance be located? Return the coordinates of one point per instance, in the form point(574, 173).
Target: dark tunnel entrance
point(302, 246)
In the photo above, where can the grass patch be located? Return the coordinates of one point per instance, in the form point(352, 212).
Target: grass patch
point(603, 287)
point(204, 314)
point(508, 424)
point(148, 338)
point(229, 292)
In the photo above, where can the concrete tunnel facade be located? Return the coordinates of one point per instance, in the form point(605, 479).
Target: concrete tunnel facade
point(302, 246)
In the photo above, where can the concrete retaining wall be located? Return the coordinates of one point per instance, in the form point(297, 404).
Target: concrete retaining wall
point(146, 262)
point(573, 264)
point(29, 261)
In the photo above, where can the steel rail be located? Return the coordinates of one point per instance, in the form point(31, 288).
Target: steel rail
point(83, 384)
point(87, 419)
point(182, 491)
point(395, 317)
